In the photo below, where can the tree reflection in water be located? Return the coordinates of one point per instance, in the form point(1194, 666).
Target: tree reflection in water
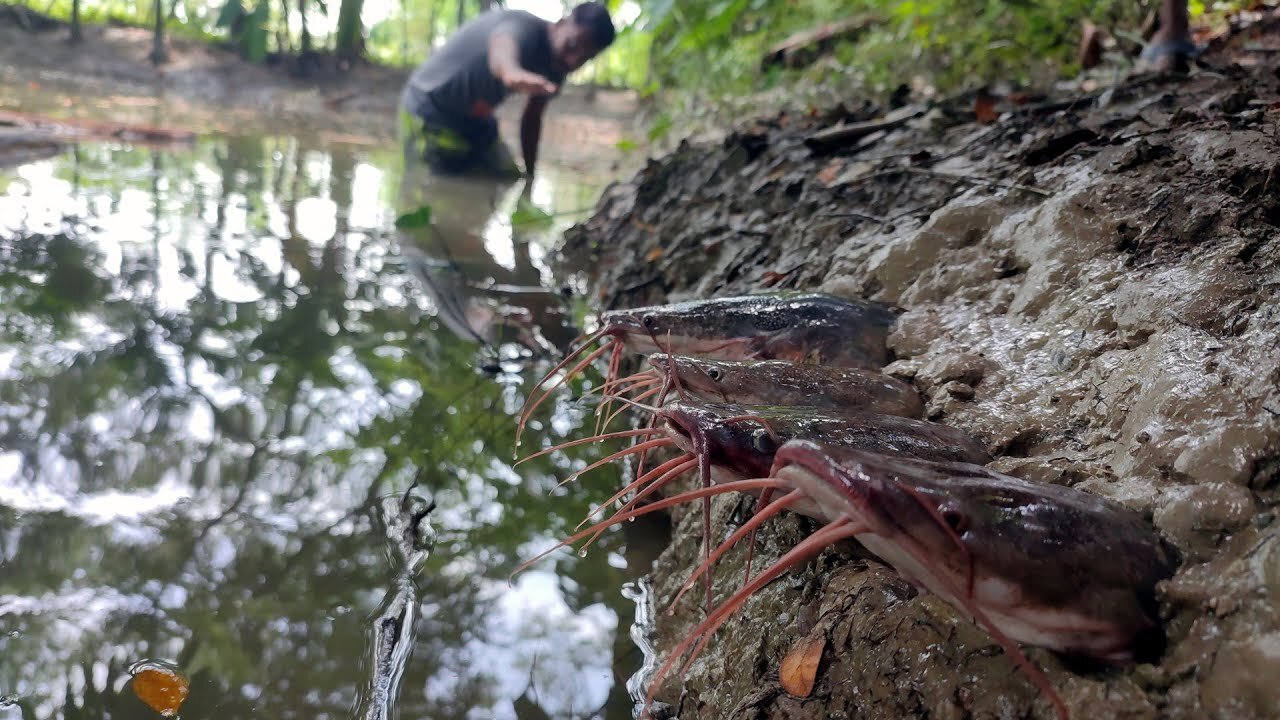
point(214, 364)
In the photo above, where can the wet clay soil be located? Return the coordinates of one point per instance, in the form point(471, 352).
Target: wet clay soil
point(1090, 285)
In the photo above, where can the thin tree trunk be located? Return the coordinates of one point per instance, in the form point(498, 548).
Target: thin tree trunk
point(158, 55)
point(432, 17)
point(404, 30)
point(77, 32)
point(284, 40)
point(306, 32)
point(349, 42)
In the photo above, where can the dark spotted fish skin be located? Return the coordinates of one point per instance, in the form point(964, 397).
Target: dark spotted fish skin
point(736, 439)
point(778, 382)
point(813, 328)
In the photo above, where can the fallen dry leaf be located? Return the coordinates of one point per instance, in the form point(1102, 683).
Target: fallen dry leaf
point(653, 254)
point(984, 108)
point(771, 277)
point(799, 669)
point(828, 174)
point(163, 690)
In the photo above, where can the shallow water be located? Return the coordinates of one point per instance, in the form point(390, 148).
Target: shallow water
point(220, 367)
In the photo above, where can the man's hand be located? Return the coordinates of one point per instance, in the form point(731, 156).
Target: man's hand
point(531, 84)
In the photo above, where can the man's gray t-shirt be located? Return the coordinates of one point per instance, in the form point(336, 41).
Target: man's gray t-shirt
point(456, 80)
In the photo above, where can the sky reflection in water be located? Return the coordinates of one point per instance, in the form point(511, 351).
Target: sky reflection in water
point(214, 362)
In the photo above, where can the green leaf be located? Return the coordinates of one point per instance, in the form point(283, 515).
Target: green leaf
point(627, 145)
point(416, 219)
point(527, 214)
point(660, 126)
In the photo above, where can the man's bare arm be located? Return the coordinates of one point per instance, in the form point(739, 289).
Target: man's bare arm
point(531, 131)
point(504, 63)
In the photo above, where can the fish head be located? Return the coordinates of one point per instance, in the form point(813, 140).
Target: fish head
point(800, 327)
point(1045, 564)
point(730, 435)
point(703, 378)
point(719, 328)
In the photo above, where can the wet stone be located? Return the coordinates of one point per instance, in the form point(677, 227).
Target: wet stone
point(964, 368)
point(958, 390)
point(1209, 507)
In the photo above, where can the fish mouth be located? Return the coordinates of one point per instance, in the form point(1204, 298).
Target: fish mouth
point(683, 430)
point(806, 466)
point(629, 327)
point(661, 362)
point(684, 373)
point(891, 511)
point(621, 324)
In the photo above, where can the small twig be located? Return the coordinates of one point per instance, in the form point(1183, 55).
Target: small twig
point(978, 180)
point(843, 135)
point(856, 214)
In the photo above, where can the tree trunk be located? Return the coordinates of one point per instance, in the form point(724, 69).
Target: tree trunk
point(306, 32)
point(284, 41)
point(158, 55)
point(462, 12)
point(349, 42)
point(77, 32)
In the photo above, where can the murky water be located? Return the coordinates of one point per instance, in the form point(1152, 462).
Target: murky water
point(220, 367)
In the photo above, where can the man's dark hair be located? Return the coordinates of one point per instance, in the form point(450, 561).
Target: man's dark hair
point(595, 18)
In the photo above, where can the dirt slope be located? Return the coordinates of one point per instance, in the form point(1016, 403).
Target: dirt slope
point(1091, 288)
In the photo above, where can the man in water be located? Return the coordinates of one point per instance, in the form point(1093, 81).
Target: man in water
point(448, 103)
point(1170, 47)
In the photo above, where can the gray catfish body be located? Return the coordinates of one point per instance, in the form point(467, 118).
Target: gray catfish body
point(1045, 565)
point(811, 328)
point(778, 382)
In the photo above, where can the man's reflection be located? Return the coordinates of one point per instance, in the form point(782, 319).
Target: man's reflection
point(479, 298)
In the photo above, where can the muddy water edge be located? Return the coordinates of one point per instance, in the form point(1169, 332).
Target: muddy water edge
point(1091, 289)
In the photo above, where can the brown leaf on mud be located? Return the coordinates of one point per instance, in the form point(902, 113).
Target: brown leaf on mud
point(771, 277)
point(799, 669)
point(828, 174)
point(984, 108)
point(653, 254)
point(161, 689)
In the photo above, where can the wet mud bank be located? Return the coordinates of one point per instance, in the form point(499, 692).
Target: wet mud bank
point(1090, 286)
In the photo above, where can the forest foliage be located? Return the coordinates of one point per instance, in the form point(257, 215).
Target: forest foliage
point(711, 46)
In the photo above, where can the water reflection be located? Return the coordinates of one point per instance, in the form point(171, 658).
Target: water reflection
point(476, 260)
point(215, 363)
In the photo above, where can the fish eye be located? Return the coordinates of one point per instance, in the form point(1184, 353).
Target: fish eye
point(649, 321)
point(956, 520)
point(715, 374)
point(763, 442)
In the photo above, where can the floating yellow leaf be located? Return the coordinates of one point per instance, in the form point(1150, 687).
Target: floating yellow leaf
point(653, 254)
point(162, 689)
point(799, 668)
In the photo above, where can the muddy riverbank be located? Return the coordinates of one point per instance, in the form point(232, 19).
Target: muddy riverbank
point(1090, 285)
